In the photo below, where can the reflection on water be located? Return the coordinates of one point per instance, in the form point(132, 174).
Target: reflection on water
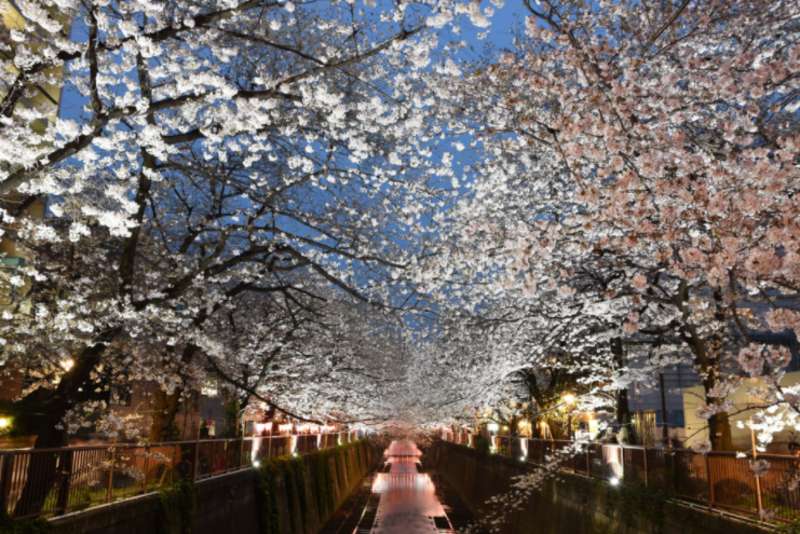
point(408, 502)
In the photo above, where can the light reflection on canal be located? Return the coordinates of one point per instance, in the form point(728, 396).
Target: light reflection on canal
point(408, 502)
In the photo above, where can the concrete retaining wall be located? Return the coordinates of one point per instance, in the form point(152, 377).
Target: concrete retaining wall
point(285, 496)
point(573, 504)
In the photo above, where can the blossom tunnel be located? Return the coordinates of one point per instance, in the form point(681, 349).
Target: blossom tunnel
point(245, 245)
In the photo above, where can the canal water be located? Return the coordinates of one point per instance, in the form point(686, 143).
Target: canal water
point(408, 503)
point(401, 498)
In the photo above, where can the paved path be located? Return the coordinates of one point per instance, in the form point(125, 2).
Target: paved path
point(408, 502)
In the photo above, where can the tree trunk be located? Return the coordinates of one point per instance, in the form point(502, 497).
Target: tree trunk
point(719, 431)
point(719, 425)
point(167, 405)
point(624, 417)
point(42, 413)
point(165, 409)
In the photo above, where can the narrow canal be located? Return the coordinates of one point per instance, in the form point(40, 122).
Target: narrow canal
point(408, 501)
point(401, 498)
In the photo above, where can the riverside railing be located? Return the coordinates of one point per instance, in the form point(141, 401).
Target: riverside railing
point(766, 487)
point(53, 482)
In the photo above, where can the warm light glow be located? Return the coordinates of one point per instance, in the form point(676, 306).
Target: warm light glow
point(67, 364)
point(568, 399)
point(256, 463)
point(262, 427)
point(209, 391)
point(492, 427)
point(614, 481)
point(524, 427)
point(286, 427)
point(381, 483)
point(5, 423)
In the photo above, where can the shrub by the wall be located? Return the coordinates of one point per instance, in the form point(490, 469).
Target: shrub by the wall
point(178, 505)
point(297, 495)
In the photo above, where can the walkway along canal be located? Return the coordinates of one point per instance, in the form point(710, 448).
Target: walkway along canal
point(344, 489)
point(294, 494)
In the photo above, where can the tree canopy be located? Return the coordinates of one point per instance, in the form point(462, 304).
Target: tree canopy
point(334, 208)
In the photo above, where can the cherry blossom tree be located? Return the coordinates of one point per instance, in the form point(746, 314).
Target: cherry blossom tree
point(236, 162)
point(262, 192)
point(641, 170)
point(231, 188)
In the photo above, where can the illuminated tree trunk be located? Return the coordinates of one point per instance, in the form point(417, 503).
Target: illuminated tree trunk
point(719, 426)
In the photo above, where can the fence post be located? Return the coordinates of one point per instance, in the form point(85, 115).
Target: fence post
point(196, 464)
point(65, 474)
point(644, 453)
point(110, 487)
point(757, 477)
point(6, 474)
point(146, 467)
point(174, 467)
point(710, 482)
point(588, 461)
point(759, 503)
point(225, 456)
point(673, 483)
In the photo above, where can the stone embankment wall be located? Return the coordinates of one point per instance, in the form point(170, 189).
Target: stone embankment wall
point(283, 496)
point(573, 504)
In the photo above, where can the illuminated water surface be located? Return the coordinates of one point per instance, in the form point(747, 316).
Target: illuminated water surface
point(408, 502)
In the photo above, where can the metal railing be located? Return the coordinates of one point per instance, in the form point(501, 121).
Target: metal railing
point(720, 480)
point(53, 482)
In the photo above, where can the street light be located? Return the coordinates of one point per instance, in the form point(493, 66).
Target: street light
point(5, 423)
